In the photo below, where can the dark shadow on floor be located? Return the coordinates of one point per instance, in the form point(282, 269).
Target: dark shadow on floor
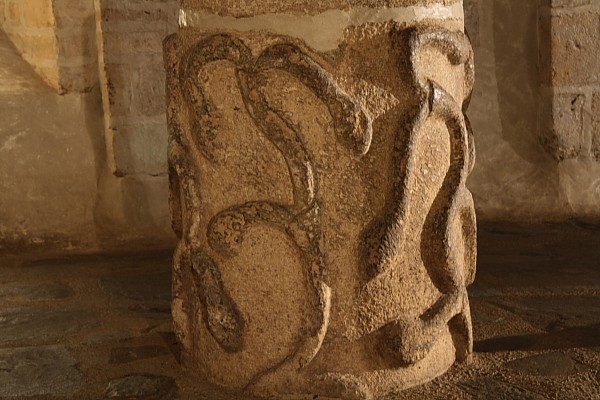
point(577, 337)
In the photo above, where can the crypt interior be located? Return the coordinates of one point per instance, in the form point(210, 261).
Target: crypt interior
point(96, 224)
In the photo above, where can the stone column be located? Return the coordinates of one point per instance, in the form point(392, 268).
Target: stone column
point(318, 156)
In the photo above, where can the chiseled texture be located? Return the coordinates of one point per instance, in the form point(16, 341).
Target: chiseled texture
point(326, 233)
point(246, 8)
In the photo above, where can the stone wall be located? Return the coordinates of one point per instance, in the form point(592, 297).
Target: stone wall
point(133, 186)
point(57, 37)
point(30, 26)
point(570, 110)
point(132, 77)
point(77, 49)
point(533, 108)
point(108, 62)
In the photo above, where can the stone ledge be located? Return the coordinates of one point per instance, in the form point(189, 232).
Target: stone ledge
point(254, 7)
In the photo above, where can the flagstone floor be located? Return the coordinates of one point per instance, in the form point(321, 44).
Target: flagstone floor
point(98, 326)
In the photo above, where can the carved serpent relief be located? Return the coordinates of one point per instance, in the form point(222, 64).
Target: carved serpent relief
point(450, 270)
point(300, 221)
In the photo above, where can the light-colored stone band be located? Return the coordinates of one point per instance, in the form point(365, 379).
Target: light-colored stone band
point(323, 32)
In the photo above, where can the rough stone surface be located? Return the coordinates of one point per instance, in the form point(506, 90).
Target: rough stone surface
point(327, 236)
point(148, 387)
point(575, 43)
point(565, 132)
point(558, 262)
point(252, 7)
point(38, 371)
point(132, 78)
point(569, 44)
point(19, 324)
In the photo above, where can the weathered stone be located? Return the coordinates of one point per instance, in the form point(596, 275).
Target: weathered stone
point(147, 387)
point(245, 8)
point(564, 135)
point(38, 371)
point(548, 364)
point(123, 355)
point(39, 325)
point(327, 236)
point(38, 14)
point(132, 80)
point(575, 43)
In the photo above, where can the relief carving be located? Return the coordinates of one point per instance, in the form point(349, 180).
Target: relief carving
point(410, 341)
point(447, 237)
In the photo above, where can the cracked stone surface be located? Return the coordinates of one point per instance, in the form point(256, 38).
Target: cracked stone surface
point(36, 371)
point(37, 324)
point(148, 387)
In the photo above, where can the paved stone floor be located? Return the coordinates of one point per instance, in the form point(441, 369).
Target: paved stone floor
point(98, 327)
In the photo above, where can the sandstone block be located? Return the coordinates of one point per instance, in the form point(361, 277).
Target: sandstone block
point(132, 77)
point(42, 47)
point(563, 136)
point(38, 14)
point(125, 43)
point(326, 233)
point(149, 92)
point(575, 41)
point(245, 8)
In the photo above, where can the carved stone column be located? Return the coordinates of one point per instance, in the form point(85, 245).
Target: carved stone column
point(318, 157)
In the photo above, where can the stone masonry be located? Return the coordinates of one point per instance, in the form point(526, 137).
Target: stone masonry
point(30, 25)
point(132, 77)
point(317, 179)
point(570, 43)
